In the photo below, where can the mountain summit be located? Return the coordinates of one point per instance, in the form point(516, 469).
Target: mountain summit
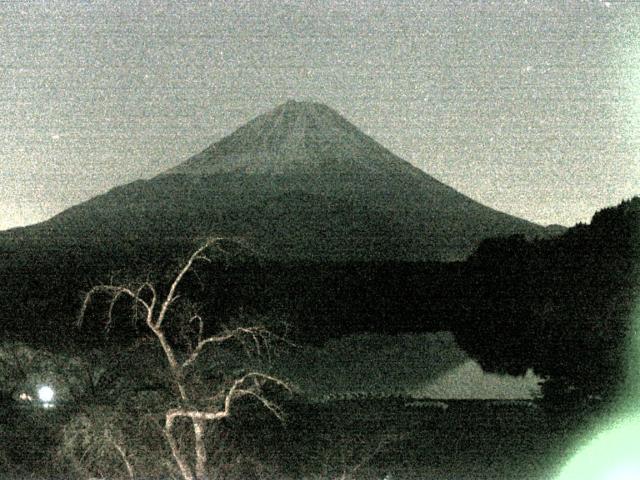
point(299, 183)
point(296, 137)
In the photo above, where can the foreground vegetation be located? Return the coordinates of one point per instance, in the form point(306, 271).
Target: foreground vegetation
point(363, 439)
point(560, 306)
point(183, 392)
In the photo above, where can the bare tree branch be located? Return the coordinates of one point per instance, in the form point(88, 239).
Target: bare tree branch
point(234, 392)
point(254, 332)
point(171, 296)
point(145, 297)
point(115, 291)
point(183, 465)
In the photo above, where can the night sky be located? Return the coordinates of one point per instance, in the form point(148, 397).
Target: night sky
point(530, 108)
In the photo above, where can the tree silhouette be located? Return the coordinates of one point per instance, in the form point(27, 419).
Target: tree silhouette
point(560, 306)
point(194, 398)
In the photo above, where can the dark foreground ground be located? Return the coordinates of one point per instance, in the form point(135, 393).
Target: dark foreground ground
point(385, 439)
point(366, 439)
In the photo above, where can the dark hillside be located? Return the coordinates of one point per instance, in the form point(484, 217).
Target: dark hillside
point(562, 306)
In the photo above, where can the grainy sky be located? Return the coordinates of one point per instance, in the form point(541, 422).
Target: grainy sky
point(532, 108)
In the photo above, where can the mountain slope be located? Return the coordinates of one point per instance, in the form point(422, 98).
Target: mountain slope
point(297, 183)
point(296, 138)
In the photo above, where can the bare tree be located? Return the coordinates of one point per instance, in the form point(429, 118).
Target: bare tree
point(192, 404)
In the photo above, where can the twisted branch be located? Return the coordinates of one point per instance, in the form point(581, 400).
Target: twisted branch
point(171, 296)
point(256, 333)
point(145, 297)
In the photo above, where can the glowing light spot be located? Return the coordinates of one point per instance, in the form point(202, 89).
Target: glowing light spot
point(46, 394)
point(624, 472)
point(612, 455)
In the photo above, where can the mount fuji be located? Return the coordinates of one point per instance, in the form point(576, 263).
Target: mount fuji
point(298, 183)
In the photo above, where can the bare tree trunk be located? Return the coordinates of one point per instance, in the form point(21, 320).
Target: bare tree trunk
point(145, 297)
point(183, 465)
point(176, 368)
point(201, 450)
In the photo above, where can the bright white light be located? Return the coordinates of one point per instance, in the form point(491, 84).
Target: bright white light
point(612, 455)
point(45, 394)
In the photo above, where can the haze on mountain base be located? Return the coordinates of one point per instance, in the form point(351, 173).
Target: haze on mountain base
point(298, 183)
